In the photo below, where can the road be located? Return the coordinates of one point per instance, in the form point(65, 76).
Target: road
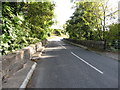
point(66, 66)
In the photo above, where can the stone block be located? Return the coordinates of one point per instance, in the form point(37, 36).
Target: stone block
point(38, 46)
point(26, 55)
point(15, 61)
point(7, 60)
point(15, 67)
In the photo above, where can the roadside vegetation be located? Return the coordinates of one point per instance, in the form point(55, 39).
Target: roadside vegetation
point(89, 22)
point(24, 24)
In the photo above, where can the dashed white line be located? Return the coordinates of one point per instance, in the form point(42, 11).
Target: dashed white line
point(87, 63)
point(63, 46)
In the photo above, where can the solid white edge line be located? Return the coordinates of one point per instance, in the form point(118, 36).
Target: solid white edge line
point(87, 63)
point(25, 82)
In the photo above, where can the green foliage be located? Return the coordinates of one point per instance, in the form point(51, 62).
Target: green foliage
point(40, 17)
point(112, 36)
point(114, 32)
point(57, 32)
point(24, 24)
point(83, 22)
point(89, 23)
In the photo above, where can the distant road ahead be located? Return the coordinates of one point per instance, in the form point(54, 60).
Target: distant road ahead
point(67, 66)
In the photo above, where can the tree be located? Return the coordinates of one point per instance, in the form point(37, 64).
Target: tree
point(89, 21)
point(24, 24)
point(83, 22)
point(103, 5)
point(113, 35)
point(40, 15)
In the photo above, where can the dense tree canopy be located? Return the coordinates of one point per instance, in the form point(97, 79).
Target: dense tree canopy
point(83, 22)
point(89, 22)
point(24, 24)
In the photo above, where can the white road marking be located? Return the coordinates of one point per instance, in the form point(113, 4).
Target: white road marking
point(63, 46)
point(87, 63)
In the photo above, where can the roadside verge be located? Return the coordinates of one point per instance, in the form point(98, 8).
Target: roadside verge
point(105, 53)
point(18, 67)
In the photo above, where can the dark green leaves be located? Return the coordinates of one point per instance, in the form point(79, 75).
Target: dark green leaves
point(24, 24)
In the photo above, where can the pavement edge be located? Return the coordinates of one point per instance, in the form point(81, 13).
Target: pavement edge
point(29, 75)
point(25, 82)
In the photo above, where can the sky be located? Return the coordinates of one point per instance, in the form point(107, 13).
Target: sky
point(63, 11)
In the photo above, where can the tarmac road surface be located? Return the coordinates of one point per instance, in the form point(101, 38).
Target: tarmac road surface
point(66, 66)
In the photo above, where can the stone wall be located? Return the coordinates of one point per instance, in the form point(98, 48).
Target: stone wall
point(89, 43)
point(15, 61)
